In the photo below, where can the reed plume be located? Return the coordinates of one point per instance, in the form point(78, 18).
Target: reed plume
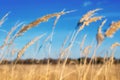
point(88, 15)
point(94, 19)
point(20, 53)
point(115, 45)
point(40, 20)
point(85, 21)
point(113, 28)
point(88, 18)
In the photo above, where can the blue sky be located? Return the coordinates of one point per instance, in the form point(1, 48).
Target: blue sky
point(29, 10)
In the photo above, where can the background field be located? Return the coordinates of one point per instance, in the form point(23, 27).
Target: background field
point(71, 72)
point(49, 42)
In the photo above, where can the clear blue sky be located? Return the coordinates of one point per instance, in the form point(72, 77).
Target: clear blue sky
point(29, 10)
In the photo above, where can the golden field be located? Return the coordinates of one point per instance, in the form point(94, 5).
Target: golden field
point(83, 71)
point(53, 72)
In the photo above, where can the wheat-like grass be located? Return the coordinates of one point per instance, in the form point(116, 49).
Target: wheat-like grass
point(81, 24)
point(20, 53)
point(94, 19)
point(85, 21)
point(60, 72)
point(113, 28)
point(100, 36)
point(115, 45)
point(52, 33)
point(88, 15)
point(3, 19)
point(40, 20)
point(88, 18)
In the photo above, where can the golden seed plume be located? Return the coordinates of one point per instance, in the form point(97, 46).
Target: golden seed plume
point(115, 45)
point(42, 19)
point(113, 28)
point(100, 36)
point(21, 52)
point(88, 18)
point(94, 19)
point(88, 15)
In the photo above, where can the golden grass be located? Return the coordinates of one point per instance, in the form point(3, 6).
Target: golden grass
point(22, 51)
point(113, 28)
point(42, 19)
point(115, 45)
point(38, 72)
point(82, 71)
point(100, 37)
point(88, 15)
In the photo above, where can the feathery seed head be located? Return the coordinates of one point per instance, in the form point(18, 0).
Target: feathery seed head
point(42, 19)
point(113, 28)
point(115, 45)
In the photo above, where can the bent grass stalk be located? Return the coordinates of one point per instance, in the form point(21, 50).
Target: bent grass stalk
point(83, 41)
point(21, 52)
point(100, 37)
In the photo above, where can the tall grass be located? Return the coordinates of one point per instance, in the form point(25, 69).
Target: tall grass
point(61, 71)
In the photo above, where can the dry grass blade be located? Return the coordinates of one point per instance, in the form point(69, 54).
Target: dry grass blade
point(42, 19)
point(11, 31)
point(100, 36)
point(63, 45)
point(83, 41)
point(88, 15)
point(115, 45)
point(20, 53)
point(3, 19)
point(113, 28)
point(100, 28)
point(8, 37)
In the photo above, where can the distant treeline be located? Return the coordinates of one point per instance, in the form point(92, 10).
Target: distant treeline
point(98, 60)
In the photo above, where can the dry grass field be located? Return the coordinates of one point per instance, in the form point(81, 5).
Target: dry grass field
point(53, 72)
point(106, 71)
